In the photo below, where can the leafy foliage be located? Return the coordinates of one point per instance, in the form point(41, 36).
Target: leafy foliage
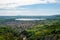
point(43, 30)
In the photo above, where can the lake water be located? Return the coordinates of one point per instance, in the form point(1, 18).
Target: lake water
point(28, 19)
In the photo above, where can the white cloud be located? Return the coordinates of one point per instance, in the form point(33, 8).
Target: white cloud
point(28, 12)
point(13, 12)
point(14, 3)
point(52, 1)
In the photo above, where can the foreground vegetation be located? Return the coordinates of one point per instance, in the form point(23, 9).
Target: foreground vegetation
point(43, 30)
point(48, 29)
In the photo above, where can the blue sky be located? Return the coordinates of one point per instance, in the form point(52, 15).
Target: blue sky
point(29, 7)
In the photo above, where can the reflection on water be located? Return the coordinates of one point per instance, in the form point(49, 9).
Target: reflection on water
point(28, 19)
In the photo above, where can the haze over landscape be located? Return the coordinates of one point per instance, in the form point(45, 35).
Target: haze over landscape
point(29, 7)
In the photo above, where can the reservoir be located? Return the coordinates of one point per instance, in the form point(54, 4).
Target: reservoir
point(27, 19)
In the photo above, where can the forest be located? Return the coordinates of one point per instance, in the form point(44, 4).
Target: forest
point(30, 30)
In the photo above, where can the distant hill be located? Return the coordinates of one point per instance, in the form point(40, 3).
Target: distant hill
point(53, 17)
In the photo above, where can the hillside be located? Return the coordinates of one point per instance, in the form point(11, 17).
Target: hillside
point(48, 29)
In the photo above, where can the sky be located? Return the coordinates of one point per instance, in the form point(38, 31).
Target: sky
point(29, 7)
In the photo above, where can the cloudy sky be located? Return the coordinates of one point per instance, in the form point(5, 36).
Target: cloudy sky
point(29, 7)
